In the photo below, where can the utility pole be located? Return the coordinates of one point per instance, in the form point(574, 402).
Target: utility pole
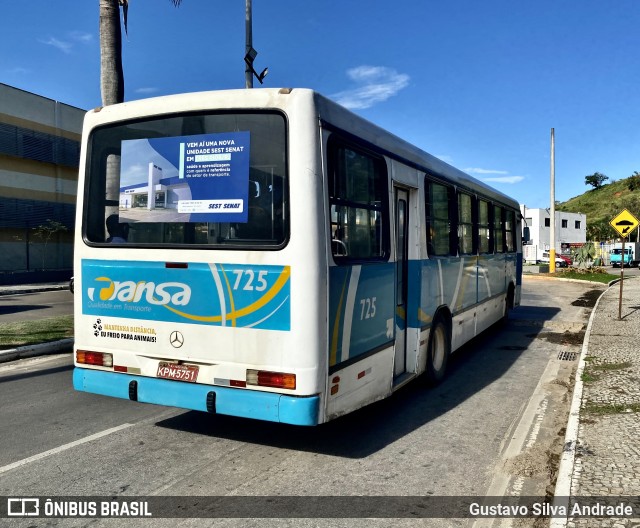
point(250, 53)
point(248, 26)
point(552, 245)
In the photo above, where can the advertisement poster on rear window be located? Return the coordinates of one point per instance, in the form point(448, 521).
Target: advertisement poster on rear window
point(200, 178)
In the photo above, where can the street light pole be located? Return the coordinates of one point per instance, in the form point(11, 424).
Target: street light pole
point(248, 72)
point(552, 245)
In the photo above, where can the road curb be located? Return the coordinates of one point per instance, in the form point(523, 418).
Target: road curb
point(562, 492)
point(35, 350)
point(17, 290)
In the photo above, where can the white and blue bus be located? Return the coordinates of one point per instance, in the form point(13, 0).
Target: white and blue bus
point(268, 254)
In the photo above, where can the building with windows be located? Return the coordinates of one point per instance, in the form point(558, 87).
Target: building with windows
point(39, 159)
point(571, 231)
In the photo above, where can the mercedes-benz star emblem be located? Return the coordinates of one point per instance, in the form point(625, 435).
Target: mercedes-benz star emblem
point(176, 339)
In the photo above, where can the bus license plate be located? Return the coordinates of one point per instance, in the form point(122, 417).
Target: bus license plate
point(177, 372)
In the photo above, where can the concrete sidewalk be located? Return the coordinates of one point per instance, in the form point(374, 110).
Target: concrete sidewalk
point(43, 348)
point(602, 446)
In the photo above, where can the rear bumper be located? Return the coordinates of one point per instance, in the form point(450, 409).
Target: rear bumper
point(244, 403)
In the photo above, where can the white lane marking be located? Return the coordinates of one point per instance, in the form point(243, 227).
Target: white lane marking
point(522, 430)
point(62, 448)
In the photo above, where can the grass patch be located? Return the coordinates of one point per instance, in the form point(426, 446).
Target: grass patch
point(612, 366)
point(593, 276)
point(587, 377)
point(34, 332)
point(611, 408)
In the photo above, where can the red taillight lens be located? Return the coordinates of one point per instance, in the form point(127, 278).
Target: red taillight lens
point(101, 359)
point(265, 378)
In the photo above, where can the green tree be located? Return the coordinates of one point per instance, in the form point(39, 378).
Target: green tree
point(596, 180)
point(112, 76)
point(583, 256)
point(633, 181)
point(46, 232)
point(600, 230)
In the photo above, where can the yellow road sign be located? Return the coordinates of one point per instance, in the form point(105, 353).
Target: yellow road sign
point(624, 223)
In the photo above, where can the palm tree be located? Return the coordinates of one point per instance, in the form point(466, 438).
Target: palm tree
point(111, 72)
point(112, 79)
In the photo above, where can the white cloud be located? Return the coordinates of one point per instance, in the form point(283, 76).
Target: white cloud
point(62, 45)
point(504, 179)
point(18, 70)
point(147, 90)
point(65, 45)
point(495, 179)
point(81, 36)
point(378, 84)
point(446, 158)
point(473, 170)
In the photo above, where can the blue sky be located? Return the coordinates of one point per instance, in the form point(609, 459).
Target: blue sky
point(478, 84)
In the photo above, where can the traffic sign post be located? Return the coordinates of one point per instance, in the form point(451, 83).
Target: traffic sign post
point(624, 223)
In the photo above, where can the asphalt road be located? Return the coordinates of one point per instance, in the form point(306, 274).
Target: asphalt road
point(35, 306)
point(480, 432)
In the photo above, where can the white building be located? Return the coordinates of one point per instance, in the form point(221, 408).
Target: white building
point(571, 232)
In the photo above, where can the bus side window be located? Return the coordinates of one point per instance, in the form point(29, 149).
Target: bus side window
point(485, 234)
point(498, 229)
point(358, 202)
point(439, 212)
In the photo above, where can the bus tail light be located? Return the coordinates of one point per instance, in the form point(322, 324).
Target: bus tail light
point(101, 359)
point(278, 380)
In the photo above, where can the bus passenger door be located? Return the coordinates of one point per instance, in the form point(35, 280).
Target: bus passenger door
point(401, 246)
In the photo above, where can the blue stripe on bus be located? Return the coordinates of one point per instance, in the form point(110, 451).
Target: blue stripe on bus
point(244, 296)
point(457, 282)
point(243, 403)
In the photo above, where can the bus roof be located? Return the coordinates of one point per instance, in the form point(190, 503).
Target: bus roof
point(285, 99)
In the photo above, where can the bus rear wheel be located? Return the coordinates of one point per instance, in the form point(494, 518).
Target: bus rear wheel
point(438, 351)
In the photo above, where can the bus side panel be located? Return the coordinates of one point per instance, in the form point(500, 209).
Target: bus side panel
point(492, 289)
point(450, 282)
point(360, 384)
point(361, 310)
point(361, 333)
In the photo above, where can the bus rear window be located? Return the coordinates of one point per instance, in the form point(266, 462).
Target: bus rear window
point(216, 179)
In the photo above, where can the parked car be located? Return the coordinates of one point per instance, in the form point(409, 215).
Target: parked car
point(561, 261)
point(567, 259)
point(71, 285)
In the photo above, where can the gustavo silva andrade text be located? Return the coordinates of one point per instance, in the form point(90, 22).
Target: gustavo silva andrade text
point(544, 509)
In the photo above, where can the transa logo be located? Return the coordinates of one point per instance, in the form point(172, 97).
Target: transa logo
point(176, 293)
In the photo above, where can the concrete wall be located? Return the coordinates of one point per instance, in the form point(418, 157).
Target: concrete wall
point(39, 155)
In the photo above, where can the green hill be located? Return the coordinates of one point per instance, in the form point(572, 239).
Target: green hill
point(602, 204)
